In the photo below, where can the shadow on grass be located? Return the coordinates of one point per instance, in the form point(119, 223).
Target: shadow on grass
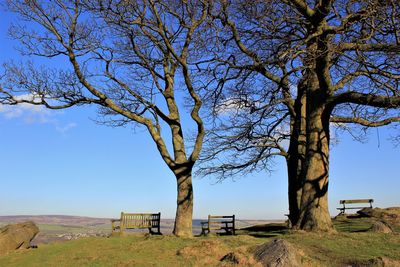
point(259, 231)
point(349, 224)
point(352, 223)
point(264, 230)
point(345, 224)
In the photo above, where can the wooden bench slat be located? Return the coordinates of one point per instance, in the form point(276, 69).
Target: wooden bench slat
point(215, 222)
point(137, 221)
point(350, 201)
point(354, 201)
point(352, 208)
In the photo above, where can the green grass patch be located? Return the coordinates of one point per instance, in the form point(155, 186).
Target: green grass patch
point(340, 248)
point(133, 250)
point(351, 225)
point(352, 245)
point(57, 228)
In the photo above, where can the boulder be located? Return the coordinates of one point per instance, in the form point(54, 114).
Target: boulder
point(231, 257)
point(17, 236)
point(383, 262)
point(278, 253)
point(388, 215)
point(240, 257)
point(381, 227)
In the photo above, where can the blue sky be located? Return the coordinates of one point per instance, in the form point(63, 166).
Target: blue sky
point(61, 162)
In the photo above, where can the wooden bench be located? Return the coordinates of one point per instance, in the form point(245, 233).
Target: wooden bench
point(137, 221)
point(354, 201)
point(216, 223)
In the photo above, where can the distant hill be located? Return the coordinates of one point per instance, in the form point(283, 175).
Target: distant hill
point(90, 221)
point(104, 223)
point(56, 219)
point(64, 227)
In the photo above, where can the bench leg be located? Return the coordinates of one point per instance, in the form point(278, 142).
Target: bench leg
point(158, 232)
point(229, 230)
point(205, 231)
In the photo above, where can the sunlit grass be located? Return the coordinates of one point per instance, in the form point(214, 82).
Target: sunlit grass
point(351, 244)
point(339, 248)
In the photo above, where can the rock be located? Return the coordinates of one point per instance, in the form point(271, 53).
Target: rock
point(383, 262)
point(374, 262)
point(381, 227)
point(278, 253)
point(231, 257)
point(239, 257)
point(388, 215)
point(17, 236)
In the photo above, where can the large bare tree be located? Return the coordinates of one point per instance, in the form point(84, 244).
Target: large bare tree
point(289, 70)
point(133, 59)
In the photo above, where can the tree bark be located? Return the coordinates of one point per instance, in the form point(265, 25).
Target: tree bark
point(314, 213)
point(184, 210)
point(296, 156)
point(295, 162)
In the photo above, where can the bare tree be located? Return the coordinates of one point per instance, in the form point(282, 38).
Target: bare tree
point(133, 59)
point(288, 70)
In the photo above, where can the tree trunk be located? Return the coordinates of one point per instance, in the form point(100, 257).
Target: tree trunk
point(296, 155)
point(314, 213)
point(184, 210)
point(295, 164)
point(294, 187)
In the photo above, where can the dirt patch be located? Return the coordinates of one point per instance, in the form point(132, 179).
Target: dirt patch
point(240, 257)
point(203, 248)
point(207, 252)
point(383, 261)
point(376, 262)
point(216, 253)
point(381, 227)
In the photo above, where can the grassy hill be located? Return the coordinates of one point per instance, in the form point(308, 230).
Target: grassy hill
point(55, 219)
point(351, 246)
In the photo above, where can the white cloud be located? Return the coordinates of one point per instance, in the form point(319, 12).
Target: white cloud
point(65, 128)
point(233, 105)
point(34, 114)
point(27, 112)
point(28, 97)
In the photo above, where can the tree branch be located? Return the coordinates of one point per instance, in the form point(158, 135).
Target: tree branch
point(372, 100)
point(393, 48)
point(364, 122)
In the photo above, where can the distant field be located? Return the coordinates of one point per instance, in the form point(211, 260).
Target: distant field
point(55, 219)
point(61, 228)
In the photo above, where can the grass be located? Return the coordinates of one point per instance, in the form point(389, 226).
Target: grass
point(341, 248)
point(351, 225)
point(132, 250)
point(71, 228)
point(352, 245)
